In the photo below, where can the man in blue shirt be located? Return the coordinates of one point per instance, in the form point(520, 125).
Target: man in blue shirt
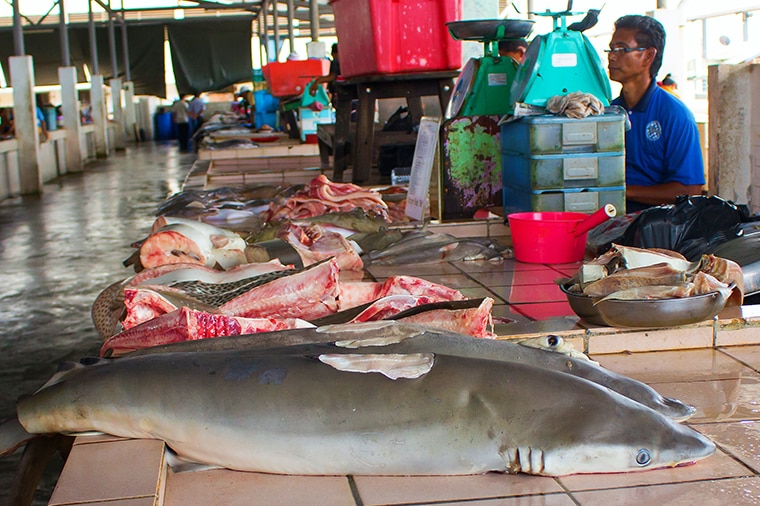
point(663, 156)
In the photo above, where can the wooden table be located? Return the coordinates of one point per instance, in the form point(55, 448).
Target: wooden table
point(367, 89)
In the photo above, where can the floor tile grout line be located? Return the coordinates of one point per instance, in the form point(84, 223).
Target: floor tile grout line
point(476, 500)
point(354, 490)
point(737, 459)
point(663, 484)
point(727, 354)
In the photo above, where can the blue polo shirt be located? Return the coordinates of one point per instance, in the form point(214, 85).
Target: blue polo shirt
point(663, 142)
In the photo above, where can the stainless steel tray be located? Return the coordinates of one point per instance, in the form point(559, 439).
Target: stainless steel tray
point(655, 313)
point(583, 306)
point(484, 30)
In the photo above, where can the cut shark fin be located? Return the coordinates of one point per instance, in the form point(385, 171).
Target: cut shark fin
point(393, 366)
point(384, 332)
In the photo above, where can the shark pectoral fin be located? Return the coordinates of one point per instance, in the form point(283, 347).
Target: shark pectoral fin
point(13, 436)
point(180, 465)
point(393, 365)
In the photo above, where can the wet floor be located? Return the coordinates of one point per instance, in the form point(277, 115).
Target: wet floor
point(57, 252)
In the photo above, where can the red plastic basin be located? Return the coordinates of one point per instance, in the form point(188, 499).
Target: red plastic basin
point(547, 237)
point(289, 78)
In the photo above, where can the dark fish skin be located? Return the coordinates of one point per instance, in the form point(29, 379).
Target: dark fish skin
point(427, 247)
point(411, 338)
point(105, 311)
point(349, 314)
point(216, 294)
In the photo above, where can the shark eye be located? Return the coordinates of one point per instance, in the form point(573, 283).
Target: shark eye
point(552, 341)
point(643, 457)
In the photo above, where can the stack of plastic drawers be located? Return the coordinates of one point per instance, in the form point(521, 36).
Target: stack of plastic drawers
point(553, 163)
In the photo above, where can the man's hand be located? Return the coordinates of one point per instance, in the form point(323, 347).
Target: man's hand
point(314, 87)
point(658, 194)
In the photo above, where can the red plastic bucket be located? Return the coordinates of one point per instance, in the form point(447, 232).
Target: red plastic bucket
point(547, 237)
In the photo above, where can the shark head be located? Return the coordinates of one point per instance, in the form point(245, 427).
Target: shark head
point(623, 436)
point(681, 446)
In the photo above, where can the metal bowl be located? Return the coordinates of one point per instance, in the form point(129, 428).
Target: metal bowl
point(583, 306)
point(487, 29)
point(655, 313)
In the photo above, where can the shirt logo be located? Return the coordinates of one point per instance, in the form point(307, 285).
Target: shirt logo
point(654, 130)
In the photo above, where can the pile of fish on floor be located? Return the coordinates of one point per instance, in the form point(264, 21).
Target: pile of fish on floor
point(393, 376)
point(195, 280)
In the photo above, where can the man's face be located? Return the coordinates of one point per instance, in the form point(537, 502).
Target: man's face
point(625, 66)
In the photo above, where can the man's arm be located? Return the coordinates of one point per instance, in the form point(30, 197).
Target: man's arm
point(658, 194)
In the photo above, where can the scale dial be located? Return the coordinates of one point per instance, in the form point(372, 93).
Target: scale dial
point(527, 70)
point(462, 87)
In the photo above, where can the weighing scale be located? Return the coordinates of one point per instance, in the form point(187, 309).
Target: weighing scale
point(470, 136)
point(483, 85)
point(561, 62)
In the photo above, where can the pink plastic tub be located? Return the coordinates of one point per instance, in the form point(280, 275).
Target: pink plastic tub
point(547, 238)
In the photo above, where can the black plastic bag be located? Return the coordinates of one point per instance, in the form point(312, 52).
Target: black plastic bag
point(399, 121)
point(692, 226)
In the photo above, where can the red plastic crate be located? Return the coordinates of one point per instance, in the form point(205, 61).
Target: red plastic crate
point(290, 78)
point(396, 36)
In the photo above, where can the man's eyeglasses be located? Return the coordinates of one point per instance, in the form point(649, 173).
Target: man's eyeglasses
point(626, 50)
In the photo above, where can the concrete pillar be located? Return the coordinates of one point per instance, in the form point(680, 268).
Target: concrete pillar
point(99, 116)
point(72, 123)
point(130, 116)
point(734, 153)
point(146, 109)
point(25, 122)
point(118, 114)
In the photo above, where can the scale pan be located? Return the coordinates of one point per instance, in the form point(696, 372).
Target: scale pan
point(487, 29)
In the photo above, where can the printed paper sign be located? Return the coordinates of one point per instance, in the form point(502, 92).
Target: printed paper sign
point(417, 199)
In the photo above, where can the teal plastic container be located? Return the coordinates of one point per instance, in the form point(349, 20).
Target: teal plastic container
point(51, 118)
point(581, 200)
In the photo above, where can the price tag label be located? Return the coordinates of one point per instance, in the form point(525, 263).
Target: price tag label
point(417, 199)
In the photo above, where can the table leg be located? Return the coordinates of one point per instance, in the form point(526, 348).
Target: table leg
point(365, 131)
point(415, 108)
point(324, 154)
point(445, 89)
point(342, 126)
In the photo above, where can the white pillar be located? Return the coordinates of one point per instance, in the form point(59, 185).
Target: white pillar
point(99, 116)
point(118, 114)
point(25, 122)
point(734, 152)
point(72, 123)
point(146, 107)
point(130, 115)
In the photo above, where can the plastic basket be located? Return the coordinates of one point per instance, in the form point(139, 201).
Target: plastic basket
point(396, 36)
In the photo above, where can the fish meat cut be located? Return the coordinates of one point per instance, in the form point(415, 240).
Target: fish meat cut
point(475, 322)
point(314, 244)
point(186, 324)
point(308, 294)
point(322, 196)
point(190, 241)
